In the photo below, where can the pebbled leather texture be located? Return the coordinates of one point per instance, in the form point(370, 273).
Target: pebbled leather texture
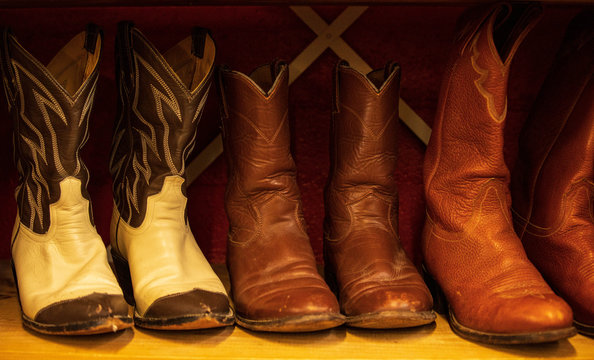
point(271, 264)
point(469, 244)
point(361, 246)
point(161, 101)
point(57, 254)
point(553, 181)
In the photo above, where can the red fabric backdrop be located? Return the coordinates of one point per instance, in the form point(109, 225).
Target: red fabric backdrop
point(416, 36)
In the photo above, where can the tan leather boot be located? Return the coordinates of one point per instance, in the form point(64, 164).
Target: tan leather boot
point(553, 181)
point(495, 294)
point(378, 285)
point(159, 265)
point(274, 281)
point(65, 284)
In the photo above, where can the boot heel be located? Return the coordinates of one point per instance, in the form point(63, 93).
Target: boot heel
point(16, 283)
point(440, 303)
point(122, 272)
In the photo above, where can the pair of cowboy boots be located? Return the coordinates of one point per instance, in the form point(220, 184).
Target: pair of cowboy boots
point(60, 263)
point(274, 281)
point(482, 268)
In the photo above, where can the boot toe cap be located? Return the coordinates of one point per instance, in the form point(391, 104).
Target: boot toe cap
point(527, 314)
point(188, 304)
point(390, 298)
point(290, 303)
point(84, 310)
point(550, 313)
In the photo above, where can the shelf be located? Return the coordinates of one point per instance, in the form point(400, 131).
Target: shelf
point(435, 341)
point(89, 3)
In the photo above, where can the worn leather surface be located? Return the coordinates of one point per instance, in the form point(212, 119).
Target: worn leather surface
point(361, 246)
point(163, 256)
point(469, 245)
point(159, 108)
point(161, 100)
point(68, 262)
point(553, 181)
point(58, 256)
point(49, 107)
point(271, 264)
point(95, 305)
point(180, 305)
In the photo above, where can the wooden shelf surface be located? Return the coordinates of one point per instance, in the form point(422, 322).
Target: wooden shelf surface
point(429, 342)
point(88, 3)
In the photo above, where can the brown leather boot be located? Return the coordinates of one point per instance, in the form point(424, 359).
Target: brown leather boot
point(553, 181)
point(378, 286)
point(65, 284)
point(274, 281)
point(494, 292)
point(159, 265)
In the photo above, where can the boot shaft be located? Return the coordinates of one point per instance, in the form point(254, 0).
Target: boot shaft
point(364, 127)
point(556, 155)
point(262, 199)
point(465, 151)
point(256, 132)
point(50, 106)
point(160, 104)
point(361, 195)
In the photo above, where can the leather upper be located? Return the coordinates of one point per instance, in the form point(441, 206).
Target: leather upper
point(469, 244)
point(161, 101)
point(160, 104)
point(65, 263)
point(361, 226)
point(163, 254)
point(50, 106)
point(553, 181)
point(271, 264)
point(58, 256)
point(468, 133)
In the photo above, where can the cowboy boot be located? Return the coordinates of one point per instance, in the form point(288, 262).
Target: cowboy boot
point(65, 284)
point(274, 281)
point(159, 265)
point(553, 181)
point(378, 285)
point(495, 294)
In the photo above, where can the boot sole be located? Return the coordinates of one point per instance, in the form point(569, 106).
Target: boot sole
point(98, 326)
point(391, 319)
point(584, 329)
point(304, 323)
point(186, 322)
point(189, 322)
point(381, 319)
point(103, 325)
point(536, 337)
point(509, 339)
